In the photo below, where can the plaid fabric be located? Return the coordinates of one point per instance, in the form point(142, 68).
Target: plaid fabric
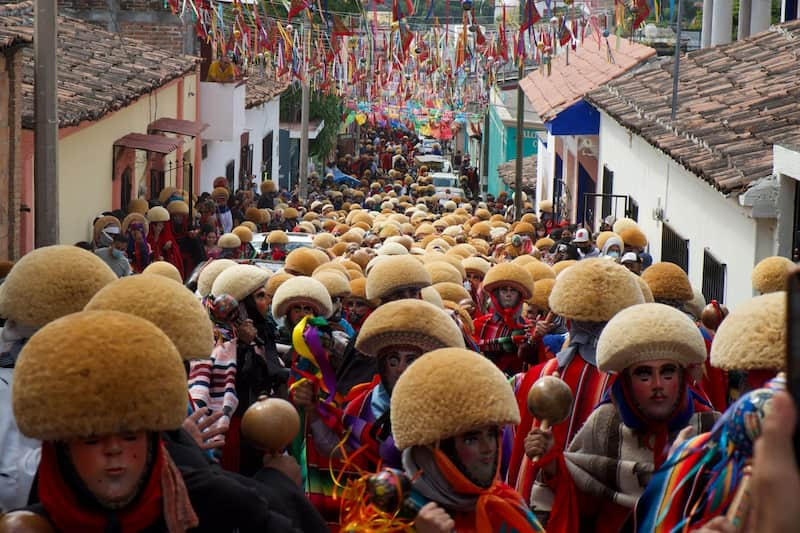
point(588, 385)
point(494, 341)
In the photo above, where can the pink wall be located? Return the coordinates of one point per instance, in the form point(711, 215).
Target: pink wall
point(179, 151)
point(589, 162)
point(27, 218)
point(198, 142)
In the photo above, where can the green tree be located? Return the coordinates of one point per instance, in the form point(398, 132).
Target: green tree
point(325, 107)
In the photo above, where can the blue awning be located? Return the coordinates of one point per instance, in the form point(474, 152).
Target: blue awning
point(580, 118)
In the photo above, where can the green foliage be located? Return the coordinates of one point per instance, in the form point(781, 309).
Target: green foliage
point(323, 107)
point(327, 108)
point(450, 11)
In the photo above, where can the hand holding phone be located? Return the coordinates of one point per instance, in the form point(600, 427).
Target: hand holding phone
point(793, 345)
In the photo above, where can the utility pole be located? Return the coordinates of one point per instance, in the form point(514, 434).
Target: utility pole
point(520, 125)
point(45, 182)
point(304, 111)
point(677, 66)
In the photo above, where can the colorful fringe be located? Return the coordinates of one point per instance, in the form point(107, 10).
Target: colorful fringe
point(700, 479)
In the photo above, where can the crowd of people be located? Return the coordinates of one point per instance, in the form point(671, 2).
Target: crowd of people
point(427, 363)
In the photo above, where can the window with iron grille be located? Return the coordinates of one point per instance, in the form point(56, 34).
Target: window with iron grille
point(230, 172)
point(713, 278)
point(245, 164)
point(796, 232)
point(156, 182)
point(674, 248)
point(608, 190)
point(266, 156)
point(633, 209)
point(125, 187)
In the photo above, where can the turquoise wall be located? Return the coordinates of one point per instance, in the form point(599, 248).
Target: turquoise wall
point(497, 151)
point(503, 148)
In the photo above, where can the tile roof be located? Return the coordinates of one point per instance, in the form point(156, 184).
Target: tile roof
point(261, 90)
point(98, 72)
point(10, 36)
point(735, 102)
point(586, 69)
point(508, 171)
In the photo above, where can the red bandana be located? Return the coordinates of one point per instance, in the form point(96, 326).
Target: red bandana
point(67, 514)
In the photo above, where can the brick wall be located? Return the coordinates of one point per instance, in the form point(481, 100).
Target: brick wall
point(142, 5)
point(82, 4)
point(125, 5)
point(146, 20)
point(163, 36)
point(10, 146)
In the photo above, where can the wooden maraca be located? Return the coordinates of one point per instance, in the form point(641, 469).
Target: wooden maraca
point(270, 424)
point(550, 400)
point(24, 522)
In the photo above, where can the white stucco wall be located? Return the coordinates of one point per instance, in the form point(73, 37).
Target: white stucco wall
point(259, 121)
point(544, 169)
point(692, 207)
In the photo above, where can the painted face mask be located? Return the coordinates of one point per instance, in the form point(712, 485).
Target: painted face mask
point(508, 297)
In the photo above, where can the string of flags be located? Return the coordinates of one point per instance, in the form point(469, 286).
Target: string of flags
point(433, 78)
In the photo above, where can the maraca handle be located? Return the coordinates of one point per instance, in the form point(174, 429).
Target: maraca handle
point(740, 507)
point(544, 426)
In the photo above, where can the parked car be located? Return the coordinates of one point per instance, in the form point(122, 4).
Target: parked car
point(447, 185)
point(435, 163)
point(426, 145)
point(296, 240)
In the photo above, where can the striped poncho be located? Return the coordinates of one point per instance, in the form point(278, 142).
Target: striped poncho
point(588, 385)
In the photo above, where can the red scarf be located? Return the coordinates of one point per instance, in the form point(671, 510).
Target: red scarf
point(357, 325)
point(509, 315)
point(173, 255)
point(67, 514)
point(499, 507)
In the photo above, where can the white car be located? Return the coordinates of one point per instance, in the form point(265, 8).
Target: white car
point(435, 163)
point(426, 145)
point(447, 185)
point(296, 240)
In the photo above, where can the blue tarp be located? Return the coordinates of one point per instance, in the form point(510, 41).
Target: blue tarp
point(340, 177)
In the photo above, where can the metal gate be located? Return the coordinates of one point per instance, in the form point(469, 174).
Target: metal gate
point(674, 248)
point(611, 200)
point(713, 278)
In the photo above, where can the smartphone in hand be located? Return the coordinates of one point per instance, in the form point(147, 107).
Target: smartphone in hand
point(793, 345)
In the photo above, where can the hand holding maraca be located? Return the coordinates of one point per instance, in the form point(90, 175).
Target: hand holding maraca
point(549, 400)
point(538, 442)
point(270, 424)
